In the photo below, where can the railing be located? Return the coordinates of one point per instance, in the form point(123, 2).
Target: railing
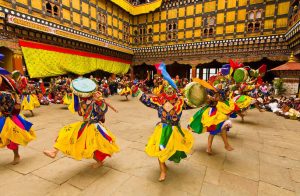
point(294, 19)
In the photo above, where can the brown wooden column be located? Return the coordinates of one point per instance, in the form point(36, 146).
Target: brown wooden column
point(113, 76)
point(194, 71)
point(17, 61)
point(131, 72)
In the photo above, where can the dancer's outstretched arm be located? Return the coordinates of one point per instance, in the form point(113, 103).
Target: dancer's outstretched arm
point(150, 101)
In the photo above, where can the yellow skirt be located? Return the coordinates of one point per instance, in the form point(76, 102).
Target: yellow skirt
point(243, 101)
point(67, 99)
point(28, 103)
point(79, 140)
point(209, 119)
point(15, 129)
point(36, 101)
point(125, 91)
point(226, 108)
point(169, 143)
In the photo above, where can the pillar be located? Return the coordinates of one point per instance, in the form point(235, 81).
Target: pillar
point(113, 76)
point(132, 72)
point(194, 71)
point(17, 60)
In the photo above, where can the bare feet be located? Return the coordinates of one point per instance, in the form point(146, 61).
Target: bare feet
point(163, 171)
point(16, 160)
point(50, 153)
point(229, 148)
point(97, 164)
point(31, 113)
point(243, 119)
point(162, 176)
point(209, 151)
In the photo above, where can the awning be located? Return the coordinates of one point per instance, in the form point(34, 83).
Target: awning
point(289, 66)
point(138, 9)
point(43, 60)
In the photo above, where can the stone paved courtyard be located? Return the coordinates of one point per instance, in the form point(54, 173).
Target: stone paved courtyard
point(266, 159)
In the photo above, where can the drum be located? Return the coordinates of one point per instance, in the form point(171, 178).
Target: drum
point(83, 87)
point(7, 83)
point(7, 103)
point(254, 73)
point(240, 75)
point(15, 74)
point(195, 94)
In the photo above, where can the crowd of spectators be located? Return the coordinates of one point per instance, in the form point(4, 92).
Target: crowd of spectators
point(288, 108)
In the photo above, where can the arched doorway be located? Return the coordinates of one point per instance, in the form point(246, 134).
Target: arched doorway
point(182, 70)
point(7, 62)
point(140, 71)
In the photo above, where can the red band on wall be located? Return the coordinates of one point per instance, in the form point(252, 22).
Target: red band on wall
point(36, 45)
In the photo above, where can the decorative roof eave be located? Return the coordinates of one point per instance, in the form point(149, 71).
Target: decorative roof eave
point(292, 74)
point(213, 44)
point(198, 61)
point(138, 9)
point(20, 19)
point(295, 29)
point(291, 66)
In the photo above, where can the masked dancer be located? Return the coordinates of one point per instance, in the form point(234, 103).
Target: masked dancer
point(169, 141)
point(88, 138)
point(14, 129)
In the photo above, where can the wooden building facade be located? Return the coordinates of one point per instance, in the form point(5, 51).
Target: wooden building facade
point(193, 36)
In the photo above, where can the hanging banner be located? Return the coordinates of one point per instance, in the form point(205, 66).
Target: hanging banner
point(43, 60)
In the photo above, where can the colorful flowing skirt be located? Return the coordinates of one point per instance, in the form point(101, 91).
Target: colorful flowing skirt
point(67, 99)
point(226, 107)
point(208, 119)
point(36, 101)
point(28, 102)
point(82, 140)
point(136, 91)
point(125, 91)
point(243, 101)
point(169, 143)
point(15, 130)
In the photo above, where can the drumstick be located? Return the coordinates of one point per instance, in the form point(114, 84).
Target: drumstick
point(111, 107)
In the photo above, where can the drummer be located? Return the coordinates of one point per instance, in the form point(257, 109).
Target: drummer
point(244, 84)
point(214, 116)
point(14, 129)
point(88, 138)
point(126, 90)
point(23, 86)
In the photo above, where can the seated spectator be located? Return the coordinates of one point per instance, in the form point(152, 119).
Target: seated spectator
point(272, 106)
